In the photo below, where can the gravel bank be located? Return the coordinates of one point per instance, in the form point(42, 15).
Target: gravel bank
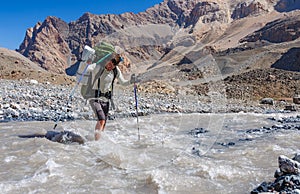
point(28, 100)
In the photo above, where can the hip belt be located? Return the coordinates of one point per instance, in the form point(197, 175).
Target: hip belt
point(100, 94)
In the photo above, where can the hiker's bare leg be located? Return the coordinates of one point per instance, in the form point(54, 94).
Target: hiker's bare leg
point(99, 128)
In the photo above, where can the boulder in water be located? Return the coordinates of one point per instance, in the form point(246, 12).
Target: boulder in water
point(287, 177)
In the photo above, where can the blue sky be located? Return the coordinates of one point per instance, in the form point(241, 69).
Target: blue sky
point(16, 15)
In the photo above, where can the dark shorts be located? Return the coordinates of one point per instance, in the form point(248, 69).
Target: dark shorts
point(100, 108)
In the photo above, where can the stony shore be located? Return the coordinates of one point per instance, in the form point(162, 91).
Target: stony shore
point(287, 177)
point(28, 100)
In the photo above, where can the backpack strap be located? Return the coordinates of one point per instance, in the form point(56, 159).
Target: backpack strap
point(115, 75)
point(100, 72)
point(115, 71)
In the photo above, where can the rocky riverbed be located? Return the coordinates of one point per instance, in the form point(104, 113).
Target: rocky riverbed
point(27, 100)
point(287, 177)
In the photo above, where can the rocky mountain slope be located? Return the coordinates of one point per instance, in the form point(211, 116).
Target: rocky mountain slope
point(15, 66)
point(49, 43)
point(185, 43)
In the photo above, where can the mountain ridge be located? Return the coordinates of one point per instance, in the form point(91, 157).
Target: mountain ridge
point(194, 15)
point(184, 43)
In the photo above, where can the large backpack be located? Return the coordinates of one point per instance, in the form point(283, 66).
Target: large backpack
point(103, 53)
point(87, 90)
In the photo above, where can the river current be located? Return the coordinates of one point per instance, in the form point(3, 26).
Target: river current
point(175, 153)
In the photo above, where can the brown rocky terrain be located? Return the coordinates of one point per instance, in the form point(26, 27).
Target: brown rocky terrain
point(15, 66)
point(181, 45)
point(257, 84)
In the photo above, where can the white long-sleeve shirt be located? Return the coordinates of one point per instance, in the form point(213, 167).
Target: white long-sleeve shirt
point(106, 78)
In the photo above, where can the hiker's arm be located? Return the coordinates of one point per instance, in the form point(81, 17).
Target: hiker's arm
point(121, 79)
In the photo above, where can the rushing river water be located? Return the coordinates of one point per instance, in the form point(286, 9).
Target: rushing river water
point(176, 153)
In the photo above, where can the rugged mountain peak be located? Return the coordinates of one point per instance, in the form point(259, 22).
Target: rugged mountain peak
point(29, 39)
point(50, 43)
point(182, 7)
point(86, 16)
point(245, 9)
point(45, 44)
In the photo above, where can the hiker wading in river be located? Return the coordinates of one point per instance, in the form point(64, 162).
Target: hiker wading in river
point(103, 89)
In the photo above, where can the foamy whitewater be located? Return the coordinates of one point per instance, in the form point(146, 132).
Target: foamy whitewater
point(170, 156)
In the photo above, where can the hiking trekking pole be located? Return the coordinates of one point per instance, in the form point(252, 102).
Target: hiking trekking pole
point(136, 108)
